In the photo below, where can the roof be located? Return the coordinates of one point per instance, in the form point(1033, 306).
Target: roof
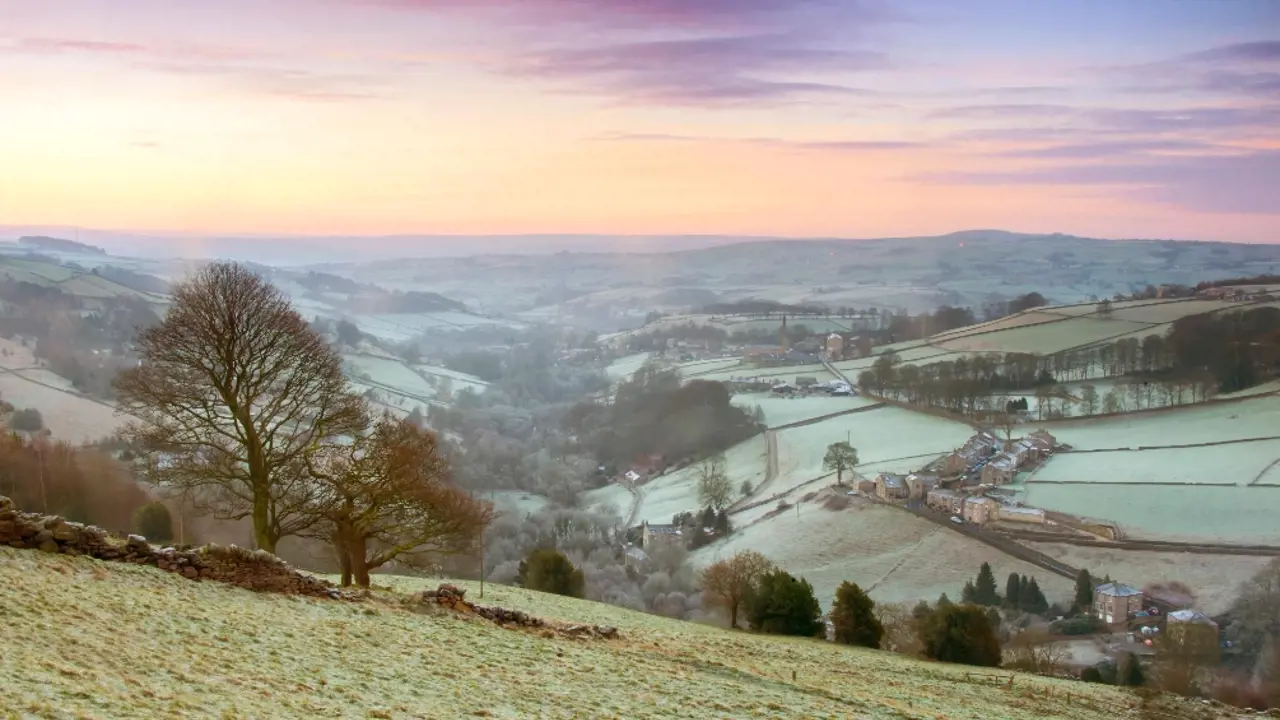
point(891, 480)
point(1190, 616)
point(943, 493)
point(1026, 512)
point(637, 554)
point(1118, 590)
point(664, 529)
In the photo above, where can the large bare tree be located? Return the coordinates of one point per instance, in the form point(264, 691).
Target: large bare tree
point(728, 582)
point(386, 497)
point(232, 395)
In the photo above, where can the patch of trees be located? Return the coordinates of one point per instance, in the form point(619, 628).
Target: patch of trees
point(853, 617)
point(408, 303)
point(781, 604)
point(243, 409)
point(548, 570)
point(322, 282)
point(958, 634)
point(703, 527)
point(43, 242)
point(82, 485)
point(654, 414)
point(764, 308)
point(481, 363)
point(1264, 279)
point(141, 282)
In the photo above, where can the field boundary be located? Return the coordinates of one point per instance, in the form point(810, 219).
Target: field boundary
point(828, 416)
point(1145, 545)
point(1184, 446)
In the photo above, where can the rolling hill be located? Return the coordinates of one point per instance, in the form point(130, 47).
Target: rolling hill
point(94, 639)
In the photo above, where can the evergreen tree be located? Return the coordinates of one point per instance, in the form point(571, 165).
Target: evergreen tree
point(783, 605)
point(960, 634)
point(1024, 592)
point(1084, 592)
point(944, 601)
point(1011, 591)
point(969, 594)
point(921, 609)
point(985, 592)
point(993, 617)
point(722, 526)
point(548, 570)
point(1035, 601)
point(853, 615)
point(1130, 672)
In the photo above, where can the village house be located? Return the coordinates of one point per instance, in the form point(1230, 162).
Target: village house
point(1113, 603)
point(976, 449)
point(1000, 471)
point(890, 486)
point(835, 347)
point(866, 487)
point(918, 486)
point(653, 537)
point(948, 501)
point(978, 510)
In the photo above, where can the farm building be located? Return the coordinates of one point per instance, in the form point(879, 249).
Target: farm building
point(1113, 603)
point(1183, 622)
point(948, 501)
point(890, 486)
point(866, 487)
point(978, 510)
point(918, 486)
point(657, 536)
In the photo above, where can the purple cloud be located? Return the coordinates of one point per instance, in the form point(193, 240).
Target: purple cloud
point(60, 45)
point(1266, 51)
point(1002, 111)
point(827, 145)
point(705, 71)
point(1205, 183)
point(1118, 148)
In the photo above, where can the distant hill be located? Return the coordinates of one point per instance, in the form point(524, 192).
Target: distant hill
point(42, 242)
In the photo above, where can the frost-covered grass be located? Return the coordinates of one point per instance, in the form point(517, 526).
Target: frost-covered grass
point(783, 411)
point(1235, 464)
point(880, 435)
point(623, 368)
point(898, 556)
point(88, 639)
point(1215, 422)
point(1044, 338)
point(1228, 513)
point(516, 502)
point(677, 492)
point(610, 497)
point(69, 416)
point(391, 373)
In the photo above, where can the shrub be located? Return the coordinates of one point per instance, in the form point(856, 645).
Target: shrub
point(960, 634)
point(1091, 675)
point(1079, 625)
point(783, 605)
point(27, 420)
point(548, 570)
point(153, 522)
point(854, 618)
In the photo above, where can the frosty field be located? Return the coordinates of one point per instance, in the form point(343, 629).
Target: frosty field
point(880, 435)
point(1213, 422)
point(1044, 338)
point(91, 639)
point(69, 416)
point(677, 492)
point(623, 368)
point(783, 411)
point(897, 556)
point(1234, 464)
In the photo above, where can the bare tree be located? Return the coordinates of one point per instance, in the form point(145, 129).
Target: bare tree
point(900, 634)
point(1034, 650)
point(714, 487)
point(1089, 399)
point(232, 394)
point(386, 498)
point(728, 583)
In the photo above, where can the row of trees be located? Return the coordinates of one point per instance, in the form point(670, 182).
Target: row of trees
point(243, 410)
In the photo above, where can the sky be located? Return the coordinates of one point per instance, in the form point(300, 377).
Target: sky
point(792, 118)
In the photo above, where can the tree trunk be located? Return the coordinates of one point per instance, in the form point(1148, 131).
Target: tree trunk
point(356, 545)
point(344, 557)
point(262, 535)
point(733, 616)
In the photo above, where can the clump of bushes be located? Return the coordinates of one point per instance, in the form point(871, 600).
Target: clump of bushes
point(548, 570)
point(153, 522)
point(1078, 625)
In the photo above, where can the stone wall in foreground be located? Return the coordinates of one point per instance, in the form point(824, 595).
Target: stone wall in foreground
point(249, 569)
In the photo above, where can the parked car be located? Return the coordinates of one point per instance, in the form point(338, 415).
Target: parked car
point(957, 520)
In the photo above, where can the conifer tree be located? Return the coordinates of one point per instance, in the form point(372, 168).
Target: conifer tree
point(985, 592)
point(1011, 591)
point(853, 615)
point(1084, 592)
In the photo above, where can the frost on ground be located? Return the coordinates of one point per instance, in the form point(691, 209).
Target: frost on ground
point(787, 410)
point(896, 556)
point(88, 639)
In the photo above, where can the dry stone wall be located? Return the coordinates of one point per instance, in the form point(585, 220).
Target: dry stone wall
point(253, 570)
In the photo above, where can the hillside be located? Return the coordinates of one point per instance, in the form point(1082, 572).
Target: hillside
point(94, 639)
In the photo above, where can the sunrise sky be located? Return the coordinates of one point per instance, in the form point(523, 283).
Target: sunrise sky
point(844, 118)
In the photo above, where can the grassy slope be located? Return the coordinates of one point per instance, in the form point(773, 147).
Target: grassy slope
point(91, 639)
